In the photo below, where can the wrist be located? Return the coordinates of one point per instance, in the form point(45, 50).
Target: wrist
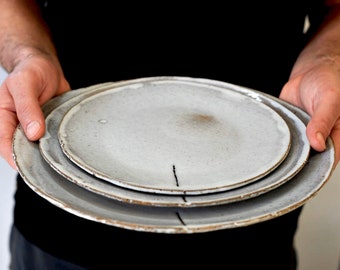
point(21, 53)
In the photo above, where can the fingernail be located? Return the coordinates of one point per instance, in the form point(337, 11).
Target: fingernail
point(32, 129)
point(321, 140)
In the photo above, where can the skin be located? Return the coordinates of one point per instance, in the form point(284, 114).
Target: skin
point(35, 76)
point(34, 72)
point(314, 83)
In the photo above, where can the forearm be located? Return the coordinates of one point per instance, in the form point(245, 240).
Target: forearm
point(324, 45)
point(23, 33)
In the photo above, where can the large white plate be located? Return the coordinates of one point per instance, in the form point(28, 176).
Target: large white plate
point(52, 153)
point(174, 136)
point(81, 202)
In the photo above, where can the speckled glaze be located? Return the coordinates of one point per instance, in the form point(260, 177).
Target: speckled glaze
point(52, 153)
point(173, 136)
point(49, 184)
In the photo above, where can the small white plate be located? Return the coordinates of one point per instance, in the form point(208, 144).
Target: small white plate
point(174, 136)
point(52, 153)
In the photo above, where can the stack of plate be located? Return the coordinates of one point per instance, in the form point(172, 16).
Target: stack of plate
point(173, 154)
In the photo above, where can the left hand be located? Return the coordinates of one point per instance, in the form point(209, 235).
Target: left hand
point(314, 86)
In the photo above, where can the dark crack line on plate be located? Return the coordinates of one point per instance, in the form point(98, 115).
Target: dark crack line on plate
point(180, 218)
point(177, 183)
point(175, 175)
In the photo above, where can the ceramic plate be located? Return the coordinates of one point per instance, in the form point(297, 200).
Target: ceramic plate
point(52, 153)
point(174, 136)
point(72, 198)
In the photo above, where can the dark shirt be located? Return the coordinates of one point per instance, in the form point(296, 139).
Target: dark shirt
point(250, 43)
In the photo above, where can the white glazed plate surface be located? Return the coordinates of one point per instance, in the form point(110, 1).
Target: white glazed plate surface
point(52, 153)
point(174, 136)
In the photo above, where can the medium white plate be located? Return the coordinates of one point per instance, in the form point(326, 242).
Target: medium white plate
point(173, 136)
point(83, 203)
point(52, 153)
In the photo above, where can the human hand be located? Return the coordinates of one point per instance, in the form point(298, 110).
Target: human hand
point(33, 81)
point(314, 85)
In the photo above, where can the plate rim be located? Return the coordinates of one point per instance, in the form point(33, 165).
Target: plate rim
point(65, 195)
point(80, 155)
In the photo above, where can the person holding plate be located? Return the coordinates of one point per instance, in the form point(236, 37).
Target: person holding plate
point(289, 50)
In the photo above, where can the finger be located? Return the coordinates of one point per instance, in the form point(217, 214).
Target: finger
point(27, 107)
point(322, 121)
point(335, 134)
point(9, 123)
point(30, 116)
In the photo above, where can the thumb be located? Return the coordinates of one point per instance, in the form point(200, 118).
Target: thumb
point(322, 123)
point(30, 116)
